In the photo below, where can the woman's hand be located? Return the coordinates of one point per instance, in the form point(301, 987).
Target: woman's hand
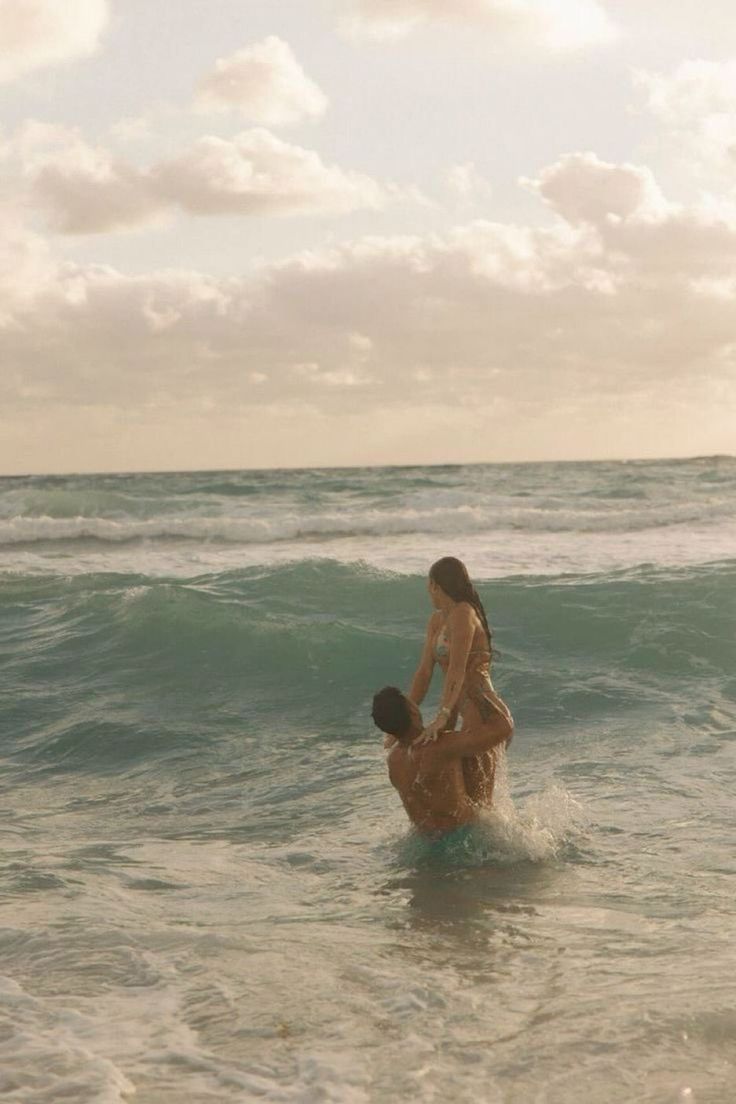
point(433, 729)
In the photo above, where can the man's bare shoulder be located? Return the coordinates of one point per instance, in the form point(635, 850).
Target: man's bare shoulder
point(402, 759)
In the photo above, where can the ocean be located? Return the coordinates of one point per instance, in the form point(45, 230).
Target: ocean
point(210, 892)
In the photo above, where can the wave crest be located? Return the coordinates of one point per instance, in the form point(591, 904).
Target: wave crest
point(451, 521)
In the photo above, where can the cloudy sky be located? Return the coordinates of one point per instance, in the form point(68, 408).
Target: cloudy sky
point(247, 233)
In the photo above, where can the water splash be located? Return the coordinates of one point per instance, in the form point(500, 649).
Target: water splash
point(535, 831)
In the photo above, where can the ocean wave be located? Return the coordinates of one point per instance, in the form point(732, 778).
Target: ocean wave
point(259, 670)
point(317, 638)
point(116, 675)
point(304, 526)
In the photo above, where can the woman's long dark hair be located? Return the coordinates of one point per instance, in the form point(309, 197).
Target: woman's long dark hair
point(452, 575)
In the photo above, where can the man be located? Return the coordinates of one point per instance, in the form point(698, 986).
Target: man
point(429, 776)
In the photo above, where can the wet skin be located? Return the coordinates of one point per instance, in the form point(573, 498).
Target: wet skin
point(430, 778)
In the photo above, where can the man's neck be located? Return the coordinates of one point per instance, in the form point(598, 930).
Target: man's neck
point(410, 738)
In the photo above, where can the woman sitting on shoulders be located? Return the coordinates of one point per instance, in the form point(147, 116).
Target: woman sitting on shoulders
point(459, 640)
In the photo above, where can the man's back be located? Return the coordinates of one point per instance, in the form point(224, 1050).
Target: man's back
point(429, 775)
point(431, 788)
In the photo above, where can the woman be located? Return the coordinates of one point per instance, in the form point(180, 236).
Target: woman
point(459, 640)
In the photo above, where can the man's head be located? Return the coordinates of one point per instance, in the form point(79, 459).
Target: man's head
point(396, 714)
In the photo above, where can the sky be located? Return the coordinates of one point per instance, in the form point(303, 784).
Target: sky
point(247, 234)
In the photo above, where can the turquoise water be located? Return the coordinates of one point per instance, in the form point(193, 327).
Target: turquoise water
point(209, 890)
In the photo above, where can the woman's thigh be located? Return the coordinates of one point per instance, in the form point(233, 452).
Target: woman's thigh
point(479, 771)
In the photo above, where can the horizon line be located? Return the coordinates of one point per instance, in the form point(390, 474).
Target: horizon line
point(363, 467)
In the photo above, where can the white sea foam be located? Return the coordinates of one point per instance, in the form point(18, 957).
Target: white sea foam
point(490, 554)
point(45, 1053)
point(538, 828)
point(260, 528)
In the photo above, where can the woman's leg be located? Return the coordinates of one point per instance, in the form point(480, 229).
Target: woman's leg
point(478, 770)
point(481, 708)
point(479, 774)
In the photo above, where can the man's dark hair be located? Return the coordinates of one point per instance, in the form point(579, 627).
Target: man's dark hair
point(391, 712)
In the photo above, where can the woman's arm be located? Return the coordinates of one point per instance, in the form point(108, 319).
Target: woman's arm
point(462, 628)
point(423, 676)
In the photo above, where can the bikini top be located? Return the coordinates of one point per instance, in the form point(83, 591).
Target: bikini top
point(442, 647)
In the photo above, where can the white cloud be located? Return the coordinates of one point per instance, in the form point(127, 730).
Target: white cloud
point(256, 172)
point(350, 368)
point(582, 188)
point(626, 304)
point(262, 83)
point(635, 224)
point(468, 185)
point(38, 33)
point(696, 106)
point(338, 377)
point(265, 83)
point(551, 24)
point(84, 189)
point(26, 264)
point(361, 346)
